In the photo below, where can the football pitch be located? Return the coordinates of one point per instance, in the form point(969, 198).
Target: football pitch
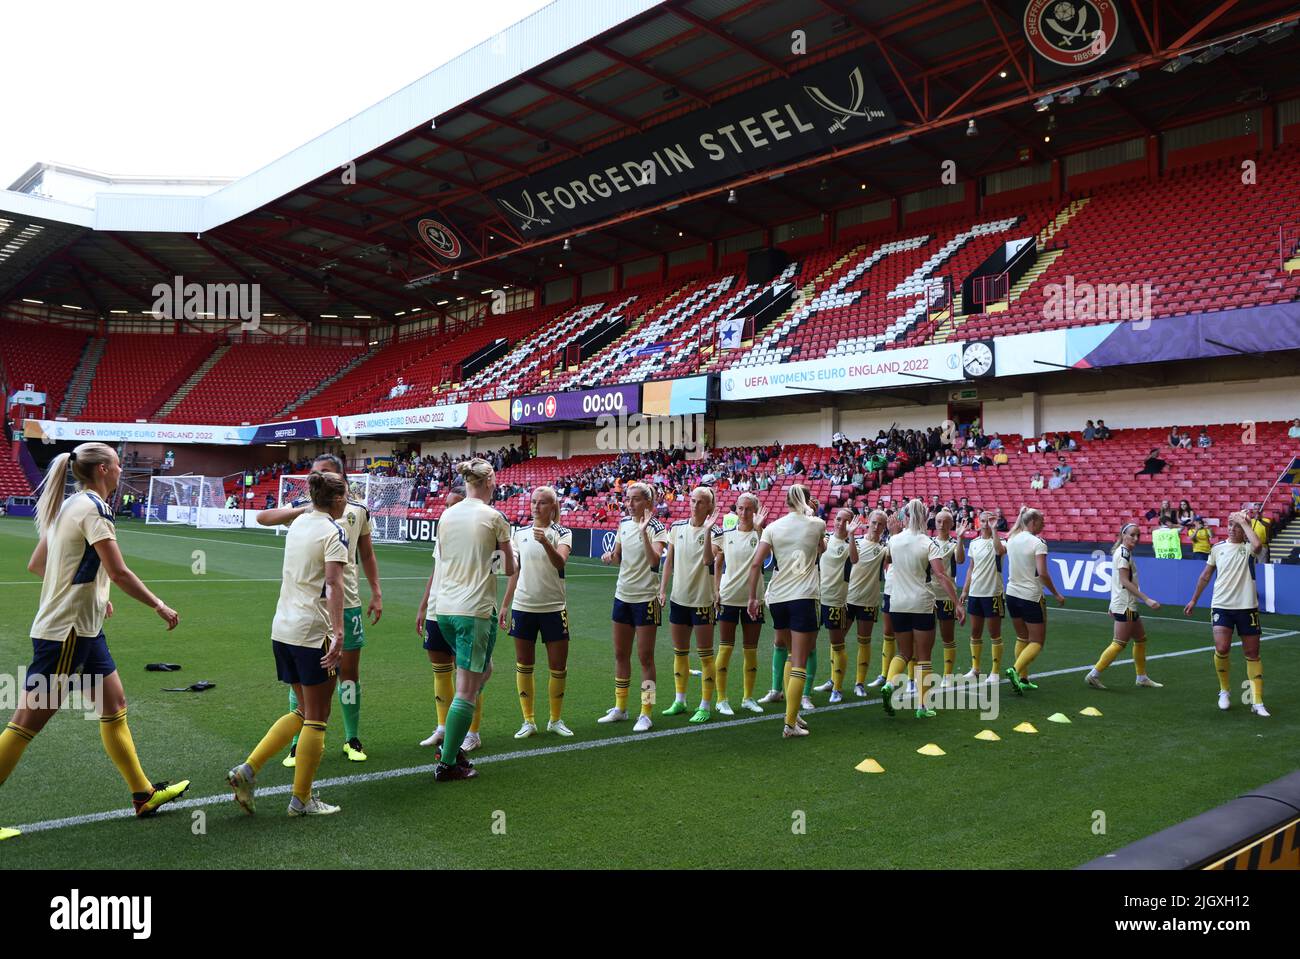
point(729, 794)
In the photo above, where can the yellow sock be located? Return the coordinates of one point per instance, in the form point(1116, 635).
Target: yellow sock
point(751, 670)
point(949, 657)
point(708, 677)
point(1020, 648)
point(895, 668)
point(864, 660)
point(839, 663)
point(524, 684)
point(121, 749)
point(559, 678)
point(888, 649)
point(911, 668)
point(1140, 656)
point(13, 741)
point(794, 683)
point(1108, 656)
point(478, 711)
point(785, 677)
point(681, 669)
point(1222, 666)
point(976, 654)
point(922, 674)
point(277, 737)
point(311, 744)
point(724, 660)
point(995, 651)
point(620, 692)
point(444, 689)
point(1255, 672)
point(1027, 656)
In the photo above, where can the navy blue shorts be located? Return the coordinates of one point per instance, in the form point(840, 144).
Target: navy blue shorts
point(906, 622)
point(990, 607)
point(739, 614)
point(884, 603)
point(679, 615)
point(1027, 610)
point(301, 664)
point(864, 614)
point(87, 655)
point(553, 626)
point(799, 615)
point(1245, 621)
point(638, 614)
point(944, 610)
point(433, 639)
point(835, 617)
point(1129, 616)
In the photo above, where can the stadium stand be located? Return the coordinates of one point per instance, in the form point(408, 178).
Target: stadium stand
point(13, 481)
point(45, 356)
point(138, 372)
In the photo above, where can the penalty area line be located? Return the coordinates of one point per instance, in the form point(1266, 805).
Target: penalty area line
point(427, 768)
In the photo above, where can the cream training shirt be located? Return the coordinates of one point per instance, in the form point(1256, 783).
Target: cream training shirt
point(692, 548)
point(1023, 551)
point(866, 579)
point(637, 581)
point(1234, 578)
point(540, 588)
point(301, 615)
point(794, 539)
point(738, 548)
point(74, 590)
point(468, 535)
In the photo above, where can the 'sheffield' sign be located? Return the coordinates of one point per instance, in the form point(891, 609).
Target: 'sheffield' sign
point(827, 106)
point(864, 371)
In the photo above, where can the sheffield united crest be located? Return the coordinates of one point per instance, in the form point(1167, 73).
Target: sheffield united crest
point(1071, 33)
point(439, 238)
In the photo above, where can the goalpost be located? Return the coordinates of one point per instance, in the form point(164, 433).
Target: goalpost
point(387, 497)
point(211, 511)
point(172, 500)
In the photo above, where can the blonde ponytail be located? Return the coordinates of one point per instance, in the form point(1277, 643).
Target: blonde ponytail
point(82, 462)
point(915, 521)
point(478, 473)
point(799, 499)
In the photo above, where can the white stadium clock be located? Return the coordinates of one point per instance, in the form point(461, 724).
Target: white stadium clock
point(977, 358)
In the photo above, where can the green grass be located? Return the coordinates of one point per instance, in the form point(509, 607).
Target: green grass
point(722, 796)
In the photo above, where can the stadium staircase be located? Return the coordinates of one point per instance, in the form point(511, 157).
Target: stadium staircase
point(324, 384)
point(192, 381)
point(1285, 539)
point(74, 401)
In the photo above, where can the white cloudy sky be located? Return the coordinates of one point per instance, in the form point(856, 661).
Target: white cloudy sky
point(116, 87)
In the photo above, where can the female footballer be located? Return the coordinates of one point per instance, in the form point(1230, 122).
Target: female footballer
point(76, 557)
point(1027, 576)
point(535, 602)
point(836, 563)
point(1124, 598)
point(441, 656)
point(733, 551)
point(952, 550)
point(864, 596)
point(637, 612)
point(688, 562)
point(982, 596)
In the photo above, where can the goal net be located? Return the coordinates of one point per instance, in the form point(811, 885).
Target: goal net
point(172, 499)
point(387, 497)
point(211, 511)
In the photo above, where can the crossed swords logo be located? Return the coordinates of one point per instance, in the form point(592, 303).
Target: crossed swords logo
point(526, 220)
point(842, 114)
point(1080, 32)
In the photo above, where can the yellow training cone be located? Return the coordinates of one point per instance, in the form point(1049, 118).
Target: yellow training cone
point(930, 749)
point(8, 834)
point(1090, 711)
point(1026, 728)
point(989, 736)
point(1058, 718)
point(869, 766)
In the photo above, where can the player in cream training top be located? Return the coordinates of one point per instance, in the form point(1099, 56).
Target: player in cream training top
point(536, 602)
point(839, 556)
point(952, 550)
point(356, 523)
point(441, 656)
point(76, 556)
point(1124, 598)
point(638, 545)
point(1234, 605)
point(733, 551)
point(983, 598)
point(865, 584)
point(794, 542)
point(307, 638)
point(688, 562)
point(1027, 576)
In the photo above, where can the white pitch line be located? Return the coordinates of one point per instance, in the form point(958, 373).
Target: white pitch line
point(283, 790)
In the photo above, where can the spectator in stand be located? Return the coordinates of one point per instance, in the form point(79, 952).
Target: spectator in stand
point(1152, 466)
point(270, 501)
point(1037, 481)
point(1201, 538)
point(1065, 469)
point(1089, 431)
point(1174, 439)
point(1000, 458)
point(1203, 441)
point(1166, 515)
point(1042, 445)
point(1002, 525)
point(1185, 516)
point(995, 442)
point(1294, 431)
point(1103, 431)
point(1185, 441)
point(1056, 482)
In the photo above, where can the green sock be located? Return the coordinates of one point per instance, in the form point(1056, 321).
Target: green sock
point(811, 668)
point(350, 700)
point(779, 655)
point(459, 716)
point(293, 708)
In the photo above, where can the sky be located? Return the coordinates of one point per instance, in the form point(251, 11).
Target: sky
point(120, 87)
